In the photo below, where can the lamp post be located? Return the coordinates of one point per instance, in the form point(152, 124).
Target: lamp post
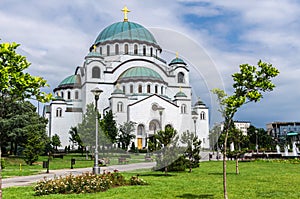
point(195, 120)
point(160, 111)
point(256, 143)
point(96, 91)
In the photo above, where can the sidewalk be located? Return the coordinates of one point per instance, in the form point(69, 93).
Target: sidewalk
point(28, 180)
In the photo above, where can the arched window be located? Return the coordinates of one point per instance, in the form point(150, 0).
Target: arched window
point(69, 94)
point(136, 49)
point(58, 112)
point(151, 51)
point(148, 88)
point(153, 125)
point(62, 94)
point(168, 126)
point(144, 50)
point(183, 109)
point(107, 50)
point(202, 115)
point(124, 89)
point(117, 49)
point(156, 89)
point(76, 94)
point(162, 90)
point(180, 77)
point(131, 88)
point(120, 107)
point(141, 129)
point(100, 50)
point(140, 89)
point(96, 72)
point(126, 49)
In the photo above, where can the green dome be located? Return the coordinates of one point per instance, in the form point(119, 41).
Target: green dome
point(71, 81)
point(199, 103)
point(140, 74)
point(180, 94)
point(177, 61)
point(94, 54)
point(125, 31)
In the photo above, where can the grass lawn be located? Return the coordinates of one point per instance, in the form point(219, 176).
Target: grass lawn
point(18, 167)
point(256, 180)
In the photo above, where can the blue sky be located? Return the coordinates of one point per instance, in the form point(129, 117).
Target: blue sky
point(55, 37)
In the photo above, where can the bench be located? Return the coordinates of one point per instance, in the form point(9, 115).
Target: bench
point(122, 160)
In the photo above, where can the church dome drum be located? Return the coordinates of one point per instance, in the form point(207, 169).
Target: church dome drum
point(140, 74)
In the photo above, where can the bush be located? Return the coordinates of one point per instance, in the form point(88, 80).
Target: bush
point(2, 163)
point(84, 183)
point(135, 180)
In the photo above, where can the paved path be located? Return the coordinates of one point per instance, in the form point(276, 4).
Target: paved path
point(28, 180)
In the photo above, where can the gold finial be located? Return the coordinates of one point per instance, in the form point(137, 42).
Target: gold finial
point(94, 46)
point(125, 10)
point(180, 89)
point(176, 54)
point(118, 86)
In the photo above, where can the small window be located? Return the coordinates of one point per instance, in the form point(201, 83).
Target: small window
point(58, 112)
point(69, 94)
point(76, 94)
point(131, 88)
point(156, 89)
point(100, 50)
point(117, 49)
point(108, 50)
point(62, 94)
point(136, 49)
point(202, 115)
point(124, 89)
point(148, 89)
point(96, 72)
point(180, 77)
point(141, 129)
point(144, 50)
point(140, 89)
point(126, 49)
point(162, 90)
point(151, 51)
point(183, 109)
point(120, 107)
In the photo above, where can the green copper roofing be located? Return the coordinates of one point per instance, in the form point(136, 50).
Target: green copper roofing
point(180, 94)
point(71, 80)
point(125, 31)
point(199, 103)
point(118, 91)
point(177, 61)
point(141, 73)
point(94, 54)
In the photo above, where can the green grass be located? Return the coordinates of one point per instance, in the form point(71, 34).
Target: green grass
point(256, 180)
point(13, 168)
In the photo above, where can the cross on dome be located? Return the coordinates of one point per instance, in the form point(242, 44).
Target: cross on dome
point(125, 10)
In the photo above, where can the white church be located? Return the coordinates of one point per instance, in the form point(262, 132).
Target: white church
point(137, 84)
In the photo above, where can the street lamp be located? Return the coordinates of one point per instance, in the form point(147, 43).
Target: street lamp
point(160, 110)
point(195, 120)
point(256, 144)
point(96, 91)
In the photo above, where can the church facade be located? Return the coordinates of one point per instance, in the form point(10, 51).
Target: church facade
point(137, 84)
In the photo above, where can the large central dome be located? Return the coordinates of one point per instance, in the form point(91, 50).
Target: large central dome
point(140, 74)
point(125, 31)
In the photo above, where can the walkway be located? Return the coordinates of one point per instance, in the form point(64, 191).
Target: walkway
point(28, 180)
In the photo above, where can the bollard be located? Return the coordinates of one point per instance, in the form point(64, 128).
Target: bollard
point(72, 162)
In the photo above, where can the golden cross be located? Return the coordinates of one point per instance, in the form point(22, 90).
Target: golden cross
point(94, 46)
point(125, 10)
point(176, 54)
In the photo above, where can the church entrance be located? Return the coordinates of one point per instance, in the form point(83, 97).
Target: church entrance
point(140, 143)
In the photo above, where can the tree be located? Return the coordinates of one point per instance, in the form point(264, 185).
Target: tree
point(193, 149)
point(109, 127)
point(264, 141)
point(55, 141)
point(15, 84)
point(125, 135)
point(249, 85)
point(75, 138)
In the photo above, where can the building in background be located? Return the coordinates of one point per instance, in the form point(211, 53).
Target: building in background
point(138, 85)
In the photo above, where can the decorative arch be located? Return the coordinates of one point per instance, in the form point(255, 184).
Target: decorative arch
point(120, 107)
point(141, 130)
point(183, 109)
point(59, 112)
point(154, 126)
point(117, 49)
point(202, 115)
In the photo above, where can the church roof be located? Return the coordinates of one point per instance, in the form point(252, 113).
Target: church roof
point(199, 103)
point(180, 94)
point(71, 81)
point(177, 61)
point(125, 30)
point(140, 73)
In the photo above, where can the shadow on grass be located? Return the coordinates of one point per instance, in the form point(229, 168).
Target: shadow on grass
point(191, 196)
point(157, 175)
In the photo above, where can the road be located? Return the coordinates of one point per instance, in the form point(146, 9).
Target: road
point(28, 180)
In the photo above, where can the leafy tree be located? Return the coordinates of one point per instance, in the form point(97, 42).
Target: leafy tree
point(193, 149)
point(263, 139)
point(15, 84)
point(55, 141)
point(125, 135)
point(249, 85)
point(109, 127)
point(75, 138)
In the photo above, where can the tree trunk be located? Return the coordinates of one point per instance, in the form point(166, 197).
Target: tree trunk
point(224, 167)
point(236, 165)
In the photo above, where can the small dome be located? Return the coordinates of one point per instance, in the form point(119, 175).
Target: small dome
point(199, 103)
point(180, 94)
point(118, 91)
point(177, 61)
point(140, 74)
point(72, 81)
point(125, 31)
point(94, 54)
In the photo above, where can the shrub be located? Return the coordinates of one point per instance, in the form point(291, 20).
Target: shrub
point(2, 163)
point(135, 180)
